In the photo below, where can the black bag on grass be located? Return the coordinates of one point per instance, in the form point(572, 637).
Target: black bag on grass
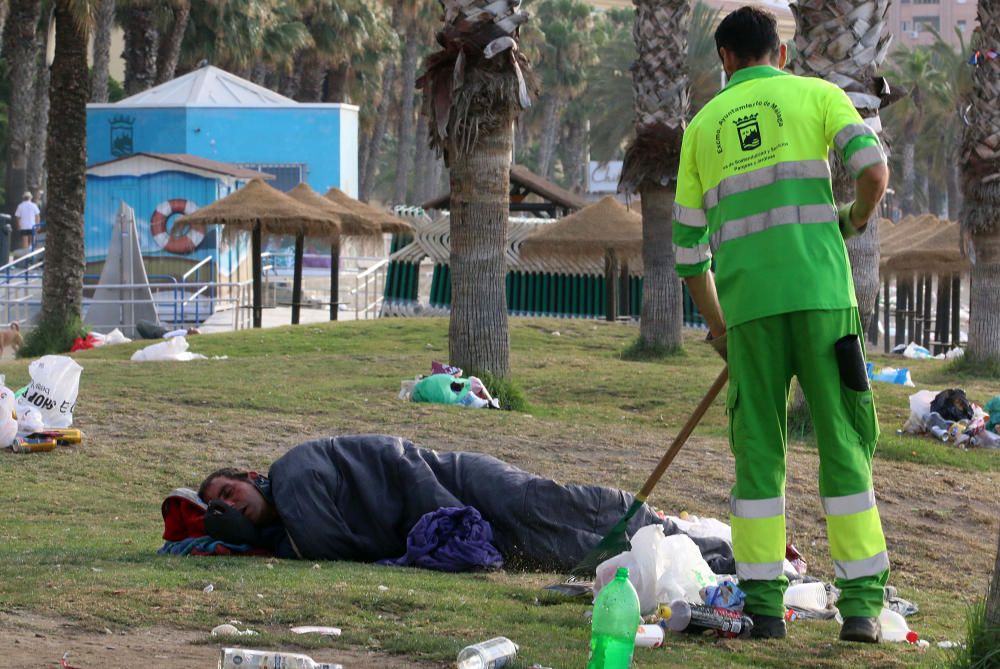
point(952, 404)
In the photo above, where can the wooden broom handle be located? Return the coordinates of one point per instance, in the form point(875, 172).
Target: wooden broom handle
point(685, 432)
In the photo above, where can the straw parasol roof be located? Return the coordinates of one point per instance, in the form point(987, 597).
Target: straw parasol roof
point(350, 222)
point(923, 244)
point(590, 231)
point(277, 213)
point(386, 221)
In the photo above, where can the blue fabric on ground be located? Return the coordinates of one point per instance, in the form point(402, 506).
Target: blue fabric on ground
point(453, 539)
point(205, 545)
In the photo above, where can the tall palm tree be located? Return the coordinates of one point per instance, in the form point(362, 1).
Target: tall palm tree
point(845, 43)
point(981, 176)
point(20, 49)
point(953, 63)
point(474, 89)
point(662, 104)
point(62, 280)
point(138, 21)
point(608, 92)
point(104, 22)
point(39, 132)
point(171, 37)
point(565, 52)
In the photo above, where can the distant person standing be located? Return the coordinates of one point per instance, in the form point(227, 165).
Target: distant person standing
point(28, 216)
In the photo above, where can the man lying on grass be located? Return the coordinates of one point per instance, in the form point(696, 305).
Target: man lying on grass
point(364, 498)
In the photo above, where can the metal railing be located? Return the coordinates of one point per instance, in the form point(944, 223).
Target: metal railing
point(369, 291)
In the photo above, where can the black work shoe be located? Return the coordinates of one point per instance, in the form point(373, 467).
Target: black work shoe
point(862, 630)
point(767, 627)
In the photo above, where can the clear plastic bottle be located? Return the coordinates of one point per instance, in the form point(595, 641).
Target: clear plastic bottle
point(491, 654)
point(808, 596)
point(240, 658)
point(894, 627)
point(613, 628)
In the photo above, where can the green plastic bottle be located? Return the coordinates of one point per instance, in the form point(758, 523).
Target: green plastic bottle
point(616, 618)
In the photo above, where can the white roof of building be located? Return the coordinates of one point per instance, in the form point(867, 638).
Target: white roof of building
point(207, 86)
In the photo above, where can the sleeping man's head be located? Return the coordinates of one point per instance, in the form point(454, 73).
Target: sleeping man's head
point(239, 489)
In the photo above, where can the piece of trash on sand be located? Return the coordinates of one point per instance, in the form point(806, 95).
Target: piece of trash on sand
point(496, 652)
point(948, 644)
point(316, 629)
point(240, 658)
point(383, 588)
point(64, 662)
point(208, 588)
point(231, 630)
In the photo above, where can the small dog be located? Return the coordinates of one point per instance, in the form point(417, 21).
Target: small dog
point(11, 338)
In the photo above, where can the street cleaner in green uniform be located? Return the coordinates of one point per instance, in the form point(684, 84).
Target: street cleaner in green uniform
point(754, 187)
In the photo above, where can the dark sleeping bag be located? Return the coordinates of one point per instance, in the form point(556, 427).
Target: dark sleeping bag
point(356, 498)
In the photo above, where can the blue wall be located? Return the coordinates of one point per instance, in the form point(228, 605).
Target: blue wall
point(308, 135)
point(105, 194)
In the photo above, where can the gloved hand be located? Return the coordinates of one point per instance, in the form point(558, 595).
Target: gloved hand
point(225, 523)
point(719, 344)
point(847, 228)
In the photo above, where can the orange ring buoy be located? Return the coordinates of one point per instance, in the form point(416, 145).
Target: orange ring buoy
point(181, 244)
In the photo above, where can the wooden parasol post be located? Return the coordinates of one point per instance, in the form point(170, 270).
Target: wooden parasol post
point(300, 239)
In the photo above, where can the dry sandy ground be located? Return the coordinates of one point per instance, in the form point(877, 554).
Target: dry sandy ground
point(34, 642)
point(941, 526)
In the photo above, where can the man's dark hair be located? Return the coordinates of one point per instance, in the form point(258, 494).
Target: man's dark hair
point(226, 472)
point(750, 33)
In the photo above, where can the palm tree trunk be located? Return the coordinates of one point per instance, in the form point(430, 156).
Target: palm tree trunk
point(422, 162)
point(478, 338)
point(311, 75)
point(104, 21)
point(662, 303)
point(575, 158)
point(36, 160)
point(908, 201)
point(336, 87)
point(954, 189)
point(404, 159)
point(846, 42)
point(20, 50)
point(62, 282)
point(993, 595)
point(662, 102)
point(984, 306)
point(373, 155)
point(550, 133)
point(170, 46)
point(140, 47)
point(981, 205)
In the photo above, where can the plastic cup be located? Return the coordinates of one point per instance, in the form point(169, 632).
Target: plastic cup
point(806, 596)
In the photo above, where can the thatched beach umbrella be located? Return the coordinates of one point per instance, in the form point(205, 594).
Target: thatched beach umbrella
point(386, 221)
point(261, 209)
point(605, 228)
point(352, 224)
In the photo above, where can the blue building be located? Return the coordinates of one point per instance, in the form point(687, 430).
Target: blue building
point(161, 188)
point(213, 114)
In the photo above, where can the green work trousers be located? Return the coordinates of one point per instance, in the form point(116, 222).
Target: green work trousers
point(764, 355)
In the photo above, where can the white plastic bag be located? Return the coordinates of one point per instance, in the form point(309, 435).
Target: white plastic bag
point(175, 348)
point(55, 382)
point(661, 568)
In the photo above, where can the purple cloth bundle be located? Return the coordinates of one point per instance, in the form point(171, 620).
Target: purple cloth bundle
point(451, 539)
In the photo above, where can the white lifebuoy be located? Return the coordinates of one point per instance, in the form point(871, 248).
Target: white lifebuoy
point(167, 241)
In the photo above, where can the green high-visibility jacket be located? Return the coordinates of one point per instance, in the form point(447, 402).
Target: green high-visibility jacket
point(754, 186)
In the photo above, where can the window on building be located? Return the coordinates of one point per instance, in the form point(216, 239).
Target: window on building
point(906, 26)
point(924, 22)
point(927, 2)
point(286, 177)
point(961, 25)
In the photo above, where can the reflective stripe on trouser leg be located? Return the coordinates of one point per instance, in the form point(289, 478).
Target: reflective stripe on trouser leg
point(846, 431)
point(758, 537)
point(759, 365)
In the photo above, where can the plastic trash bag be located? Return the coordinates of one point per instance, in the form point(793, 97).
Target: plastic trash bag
point(175, 348)
point(661, 568)
point(55, 382)
point(900, 377)
point(916, 351)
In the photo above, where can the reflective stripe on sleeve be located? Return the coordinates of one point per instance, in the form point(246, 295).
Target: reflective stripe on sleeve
point(692, 256)
point(844, 137)
point(864, 158)
point(759, 571)
point(689, 216)
point(741, 227)
point(858, 568)
point(846, 504)
point(757, 508)
point(740, 183)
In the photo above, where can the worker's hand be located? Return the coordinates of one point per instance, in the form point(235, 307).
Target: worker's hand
point(225, 523)
point(847, 228)
point(719, 344)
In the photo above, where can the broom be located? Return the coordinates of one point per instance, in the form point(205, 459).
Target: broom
point(616, 541)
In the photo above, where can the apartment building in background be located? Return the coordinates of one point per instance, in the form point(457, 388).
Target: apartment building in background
point(909, 20)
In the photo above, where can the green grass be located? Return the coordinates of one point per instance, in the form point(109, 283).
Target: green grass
point(80, 526)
